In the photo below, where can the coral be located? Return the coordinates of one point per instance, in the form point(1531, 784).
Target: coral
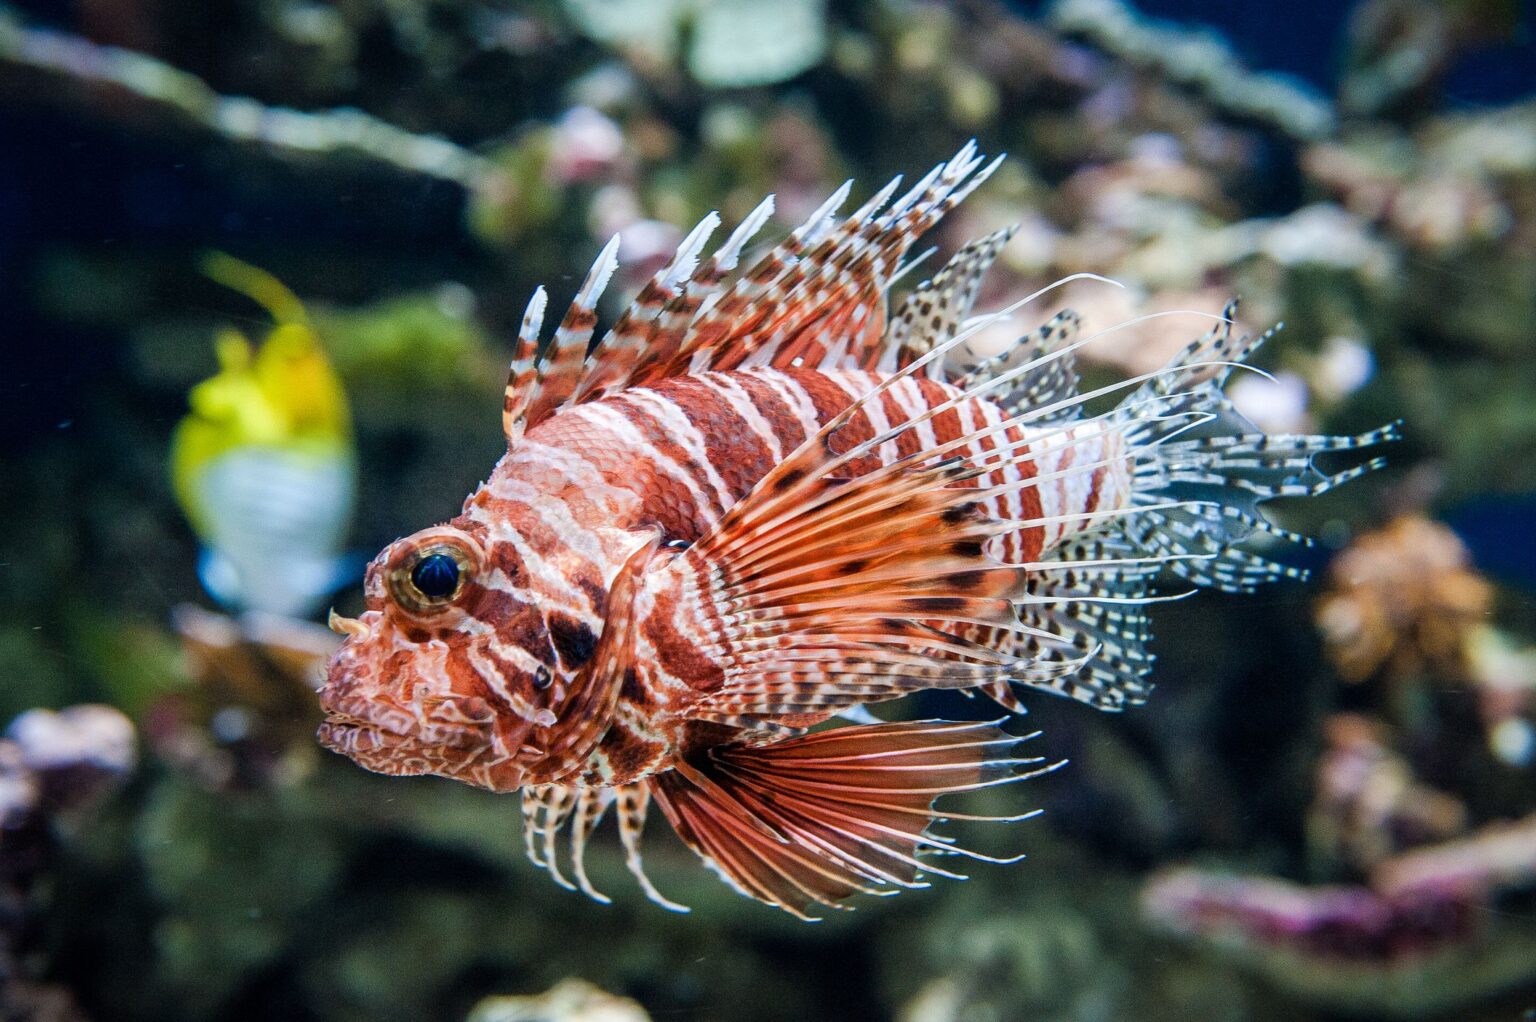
point(1347, 923)
point(68, 759)
point(54, 768)
point(1394, 951)
point(730, 42)
point(1503, 673)
point(1198, 59)
point(1499, 857)
point(171, 94)
point(1399, 51)
point(1459, 182)
point(248, 717)
point(1403, 601)
point(1368, 804)
point(431, 340)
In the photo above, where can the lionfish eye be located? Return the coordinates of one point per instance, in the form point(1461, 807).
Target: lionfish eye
point(436, 576)
point(432, 577)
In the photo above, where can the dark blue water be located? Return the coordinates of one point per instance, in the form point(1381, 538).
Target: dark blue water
point(1305, 38)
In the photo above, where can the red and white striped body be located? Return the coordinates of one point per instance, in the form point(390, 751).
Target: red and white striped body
point(675, 457)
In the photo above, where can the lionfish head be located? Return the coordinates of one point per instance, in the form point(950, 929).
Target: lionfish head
point(448, 670)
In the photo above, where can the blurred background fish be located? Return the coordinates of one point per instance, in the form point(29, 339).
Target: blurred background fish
point(264, 464)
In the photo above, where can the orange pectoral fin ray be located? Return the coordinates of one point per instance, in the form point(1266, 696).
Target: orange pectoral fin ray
point(886, 569)
point(818, 819)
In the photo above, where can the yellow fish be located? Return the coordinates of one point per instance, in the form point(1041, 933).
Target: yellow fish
point(264, 464)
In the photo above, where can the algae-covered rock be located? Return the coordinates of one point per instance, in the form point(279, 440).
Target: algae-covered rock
point(234, 873)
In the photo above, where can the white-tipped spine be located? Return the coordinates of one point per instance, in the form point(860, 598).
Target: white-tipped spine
point(730, 252)
point(876, 201)
point(681, 268)
point(823, 212)
point(916, 192)
point(598, 277)
point(533, 317)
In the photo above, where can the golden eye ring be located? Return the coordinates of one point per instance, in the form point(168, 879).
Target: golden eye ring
point(432, 575)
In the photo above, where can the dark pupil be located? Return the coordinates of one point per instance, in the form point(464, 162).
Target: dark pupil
point(436, 576)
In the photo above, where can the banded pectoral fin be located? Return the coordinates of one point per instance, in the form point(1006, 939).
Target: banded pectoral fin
point(818, 592)
point(817, 819)
point(813, 820)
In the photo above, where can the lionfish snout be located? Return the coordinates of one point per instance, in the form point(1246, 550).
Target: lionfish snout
point(351, 677)
point(456, 722)
point(353, 716)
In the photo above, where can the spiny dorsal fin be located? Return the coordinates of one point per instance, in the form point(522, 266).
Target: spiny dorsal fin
point(832, 302)
point(816, 299)
point(704, 287)
point(525, 366)
point(561, 367)
point(612, 362)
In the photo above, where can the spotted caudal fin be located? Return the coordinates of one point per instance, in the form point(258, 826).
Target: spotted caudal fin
point(815, 820)
point(1202, 470)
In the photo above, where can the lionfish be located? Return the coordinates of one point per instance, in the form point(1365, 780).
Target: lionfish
point(758, 503)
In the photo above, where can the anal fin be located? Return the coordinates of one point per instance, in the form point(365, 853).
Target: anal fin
point(818, 819)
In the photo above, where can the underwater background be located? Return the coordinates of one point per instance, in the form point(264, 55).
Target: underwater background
point(261, 263)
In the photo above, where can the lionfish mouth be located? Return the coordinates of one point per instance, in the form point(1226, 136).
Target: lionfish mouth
point(348, 735)
point(368, 741)
point(375, 748)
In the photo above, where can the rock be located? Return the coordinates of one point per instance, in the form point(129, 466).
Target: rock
point(570, 1000)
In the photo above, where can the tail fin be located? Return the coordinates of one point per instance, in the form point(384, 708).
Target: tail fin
point(818, 819)
point(1195, 451)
